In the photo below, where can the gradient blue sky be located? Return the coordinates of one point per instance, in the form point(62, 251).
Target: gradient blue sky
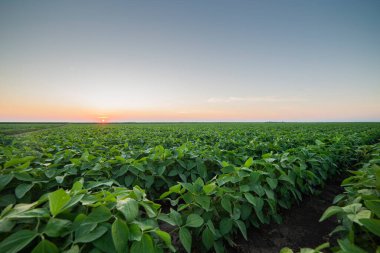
point(190, 60)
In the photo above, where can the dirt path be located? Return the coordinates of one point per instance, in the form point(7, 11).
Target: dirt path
point(300, 227)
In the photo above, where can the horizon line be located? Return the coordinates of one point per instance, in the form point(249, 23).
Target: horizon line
point(169, 122)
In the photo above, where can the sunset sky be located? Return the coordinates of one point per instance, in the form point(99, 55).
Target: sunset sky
point(190, 60)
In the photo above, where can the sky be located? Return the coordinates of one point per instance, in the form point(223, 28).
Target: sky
point(285, 60)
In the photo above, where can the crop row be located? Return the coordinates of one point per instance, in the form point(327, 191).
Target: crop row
point(358, 208)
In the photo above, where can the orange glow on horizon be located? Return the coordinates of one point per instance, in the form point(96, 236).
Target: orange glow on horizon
point(103, 119)
point(12, 111)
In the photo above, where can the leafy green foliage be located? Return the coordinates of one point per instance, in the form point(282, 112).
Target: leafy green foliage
point(45, 246)
point(186, 239)
point(358, 208)
point(17, 241)
point(57, 201)
point(89, 188)
point(120, 235)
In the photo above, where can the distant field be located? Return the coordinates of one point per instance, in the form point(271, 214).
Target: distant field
point(19, 128)
point(119, 187)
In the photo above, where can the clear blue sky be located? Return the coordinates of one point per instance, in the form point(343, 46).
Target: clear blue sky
point(190, 60)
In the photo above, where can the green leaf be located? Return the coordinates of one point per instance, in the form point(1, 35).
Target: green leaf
point(161, 170)
point(254, 177)
point(323, 246)
point(45, 246)
point(349, 247)
point(377, 176)
point(194, 220)
point(286, 178)
point(203, 201)
point(374, 206)
point(80, 228)
point(185, 238)
point(57, 200)
point(236, 213)
point(49, 173)
point(59, 179)
point(94, 184)
point(7, 199)
point(257, 203)
point(207, 238)
point(17, 241)
point(57, 227)
point(228, 169)
point(251, 199)
point(225, 226)
point(166, 238)
point(34, 213)
point(242, 228)
point(129, 208)
point(165, 217)
point(24, 176)
point(91, 236)
point(188, 186)
point(307, 250)
point(226, 204)
point(135, 232)
point(149, 210)
point(165, 194)
point(73, 249)
point(104, 243)
point(120, 235)
point(73, 201)
point(286, 250)
point(145, 245)
point(332, 210)
point(209, 188)
point(4, 180)
point(22, 189)
point(244, 188)
point(15, 161)
point(258, 189)
point(363, 214)
point(98, 215)
point(249, 162)
point(352, 208)
point(372, 225)
point(319, 143)
point(77, 186)
point(219, 247)
point(19, 208)
point(6, 225)
point(175, 188)
point(272, 182)
point(176, 217)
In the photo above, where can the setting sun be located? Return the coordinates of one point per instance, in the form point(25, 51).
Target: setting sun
point(103, 119)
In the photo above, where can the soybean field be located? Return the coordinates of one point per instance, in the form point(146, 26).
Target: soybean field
point(174, 187)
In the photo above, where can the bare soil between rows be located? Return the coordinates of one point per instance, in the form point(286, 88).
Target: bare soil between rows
point(300, 228)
